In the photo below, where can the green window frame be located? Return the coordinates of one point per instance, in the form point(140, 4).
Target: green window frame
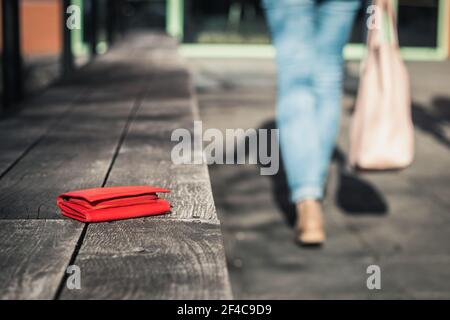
point(175, 22)
point(80, 48)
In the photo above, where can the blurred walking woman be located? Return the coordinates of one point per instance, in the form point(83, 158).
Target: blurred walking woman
point(309, 36)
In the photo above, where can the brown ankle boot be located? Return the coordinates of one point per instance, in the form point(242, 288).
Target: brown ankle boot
point(310, 230)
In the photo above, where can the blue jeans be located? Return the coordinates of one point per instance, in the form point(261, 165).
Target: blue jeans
point(309, 37)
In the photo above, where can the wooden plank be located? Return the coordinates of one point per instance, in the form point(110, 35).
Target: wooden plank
point(168, 105)
point(34, 255)
point(75, 155)
point(78, 151)
point(38, 116)
point(147, 150)
point(190, 195)
point(177, 256)
point(152, 259)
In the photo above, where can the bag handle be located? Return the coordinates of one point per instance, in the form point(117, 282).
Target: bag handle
point(374, 35)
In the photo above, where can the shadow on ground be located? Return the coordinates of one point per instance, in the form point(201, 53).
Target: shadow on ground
point(354, 195)
point(434, 120)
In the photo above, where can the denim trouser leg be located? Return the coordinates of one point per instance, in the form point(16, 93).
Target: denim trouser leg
point(309, 37)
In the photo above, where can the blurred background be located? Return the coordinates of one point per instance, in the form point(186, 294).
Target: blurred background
point(398, 220)
point(32, 33)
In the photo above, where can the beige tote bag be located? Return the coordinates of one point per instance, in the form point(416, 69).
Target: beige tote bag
point(381, 134)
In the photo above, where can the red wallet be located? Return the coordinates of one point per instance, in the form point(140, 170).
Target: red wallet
point(114, 203)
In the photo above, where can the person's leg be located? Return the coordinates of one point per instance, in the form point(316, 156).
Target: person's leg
point(292, 23)
point(334, 23)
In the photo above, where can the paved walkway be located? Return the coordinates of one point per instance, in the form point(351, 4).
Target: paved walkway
point(397, 220)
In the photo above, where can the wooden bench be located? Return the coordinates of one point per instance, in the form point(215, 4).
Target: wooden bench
point(109, 125)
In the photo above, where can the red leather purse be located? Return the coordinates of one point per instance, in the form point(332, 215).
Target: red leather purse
point(114, 203)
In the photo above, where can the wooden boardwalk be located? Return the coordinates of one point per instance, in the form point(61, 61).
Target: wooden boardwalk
point(110, 125)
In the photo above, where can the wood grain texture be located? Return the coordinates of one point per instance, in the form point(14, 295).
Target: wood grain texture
point(176, 256)
point(106, 79)
point(152, 258)
point(138, 94)
point(30, 125)
point(78, 151)
point(39, 114)
point(75, 155)
point(34, 255)
point(168, 105)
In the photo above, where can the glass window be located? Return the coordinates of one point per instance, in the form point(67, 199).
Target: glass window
point(145, 14)
point(243, 21)
point(225, 22)
point(417, 20)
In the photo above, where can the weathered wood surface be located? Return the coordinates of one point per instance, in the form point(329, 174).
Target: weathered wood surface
point(152, 258)
point(77, 152)
point(26, 129)
point(42, 112)
point(185, 246)
point(34, 255)
point(118, 133)
point(66, 158)
point(147, 149)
